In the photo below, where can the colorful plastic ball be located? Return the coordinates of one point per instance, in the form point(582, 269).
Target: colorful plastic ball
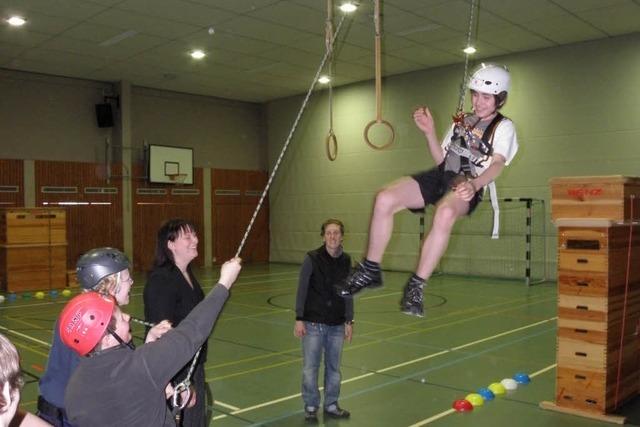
point(1, 299)
point(522, 378)
point(66, 293)
point(462, 405)
point(12, 297)
point(475, 399)
point(53, 293)
point(26, 295)
point(39, 295)
point(486, 393)
point(509, 384)
point(497, 389)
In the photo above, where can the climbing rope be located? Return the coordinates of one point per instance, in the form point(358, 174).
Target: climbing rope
point(465, 75)
point(287, 141)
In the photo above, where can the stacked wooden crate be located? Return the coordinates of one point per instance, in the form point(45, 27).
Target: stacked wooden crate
point(598, 292)
point(33, 249)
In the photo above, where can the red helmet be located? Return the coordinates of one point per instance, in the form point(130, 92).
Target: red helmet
point(84, 319)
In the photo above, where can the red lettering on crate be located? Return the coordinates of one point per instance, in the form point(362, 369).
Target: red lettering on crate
point(581, 193)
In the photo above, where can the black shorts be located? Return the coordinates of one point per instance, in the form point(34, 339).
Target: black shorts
point(436, 182)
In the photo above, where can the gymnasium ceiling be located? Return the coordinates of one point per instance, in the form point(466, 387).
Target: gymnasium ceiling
point(258, 50)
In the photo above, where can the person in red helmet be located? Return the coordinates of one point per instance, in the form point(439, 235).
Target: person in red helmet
point(103, 270)
point(116, 385)
point(473, 153)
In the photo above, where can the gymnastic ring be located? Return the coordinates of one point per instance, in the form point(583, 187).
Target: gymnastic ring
point(329, 142)
point(372, 145)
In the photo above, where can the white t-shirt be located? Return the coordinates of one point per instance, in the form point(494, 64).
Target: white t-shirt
point(505, 143)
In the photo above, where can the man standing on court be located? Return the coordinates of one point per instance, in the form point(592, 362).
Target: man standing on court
point(324, 320)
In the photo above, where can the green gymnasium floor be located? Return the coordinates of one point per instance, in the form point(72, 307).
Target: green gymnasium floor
point(398, 371)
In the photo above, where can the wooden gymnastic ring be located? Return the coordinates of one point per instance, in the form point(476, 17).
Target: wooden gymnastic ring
point(329, 142)
point(379, 147)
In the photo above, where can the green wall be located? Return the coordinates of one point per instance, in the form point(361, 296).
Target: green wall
point(576, 110)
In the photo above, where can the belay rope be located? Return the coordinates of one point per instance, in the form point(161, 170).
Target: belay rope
point(287, 141)
point(625, 303)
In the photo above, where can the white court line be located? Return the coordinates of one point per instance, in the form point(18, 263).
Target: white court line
point(451, 411)
point(25, 336)
point(399, 365)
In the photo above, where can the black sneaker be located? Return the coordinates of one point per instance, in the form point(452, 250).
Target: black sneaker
point(311, 414)
point(334, 411)
point(411, 302)
point(361, 278)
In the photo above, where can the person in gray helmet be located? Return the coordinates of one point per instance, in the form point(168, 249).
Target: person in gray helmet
point(101, 270)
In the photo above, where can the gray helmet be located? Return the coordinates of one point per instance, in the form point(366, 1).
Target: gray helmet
point(99, 263)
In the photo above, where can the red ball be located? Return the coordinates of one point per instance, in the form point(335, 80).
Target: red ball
point(462, 405)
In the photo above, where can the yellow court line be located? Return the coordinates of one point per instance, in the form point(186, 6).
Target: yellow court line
point(430, 356)
point(452, 411)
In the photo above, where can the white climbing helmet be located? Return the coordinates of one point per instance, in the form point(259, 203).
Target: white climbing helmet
point(490, 78)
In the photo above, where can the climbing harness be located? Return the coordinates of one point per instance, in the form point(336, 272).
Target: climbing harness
point(459, 123)
point(177, 403)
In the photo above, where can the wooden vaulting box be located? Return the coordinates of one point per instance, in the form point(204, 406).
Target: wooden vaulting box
point(33, 249)
point(598, 350)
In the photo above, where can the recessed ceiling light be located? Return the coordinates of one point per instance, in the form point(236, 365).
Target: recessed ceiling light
point(324, 80)
point(16, 21)
point(197, 54)
point(348, 7)
point(469, 50)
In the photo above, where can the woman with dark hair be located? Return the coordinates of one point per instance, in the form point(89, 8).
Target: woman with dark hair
point(171, 292)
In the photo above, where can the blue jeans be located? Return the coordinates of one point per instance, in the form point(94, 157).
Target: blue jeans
point(319, 339)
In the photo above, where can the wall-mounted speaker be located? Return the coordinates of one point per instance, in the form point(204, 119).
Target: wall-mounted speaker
point(104, 115)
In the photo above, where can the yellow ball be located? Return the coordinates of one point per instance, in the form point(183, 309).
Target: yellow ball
point(475, 399)
point(497, 388)
point(39, 295)
point(66, 293)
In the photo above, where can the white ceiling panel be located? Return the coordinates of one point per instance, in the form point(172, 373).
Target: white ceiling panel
point(616, 20)
point(181, 11)
point(259, 50)
point(144, 23)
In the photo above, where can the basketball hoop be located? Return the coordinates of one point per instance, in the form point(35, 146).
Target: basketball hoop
point(177, 178)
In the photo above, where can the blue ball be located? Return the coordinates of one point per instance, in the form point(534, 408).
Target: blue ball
point(522, 378)
point(12, 297)
point(53, 293)
point(486, 393)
